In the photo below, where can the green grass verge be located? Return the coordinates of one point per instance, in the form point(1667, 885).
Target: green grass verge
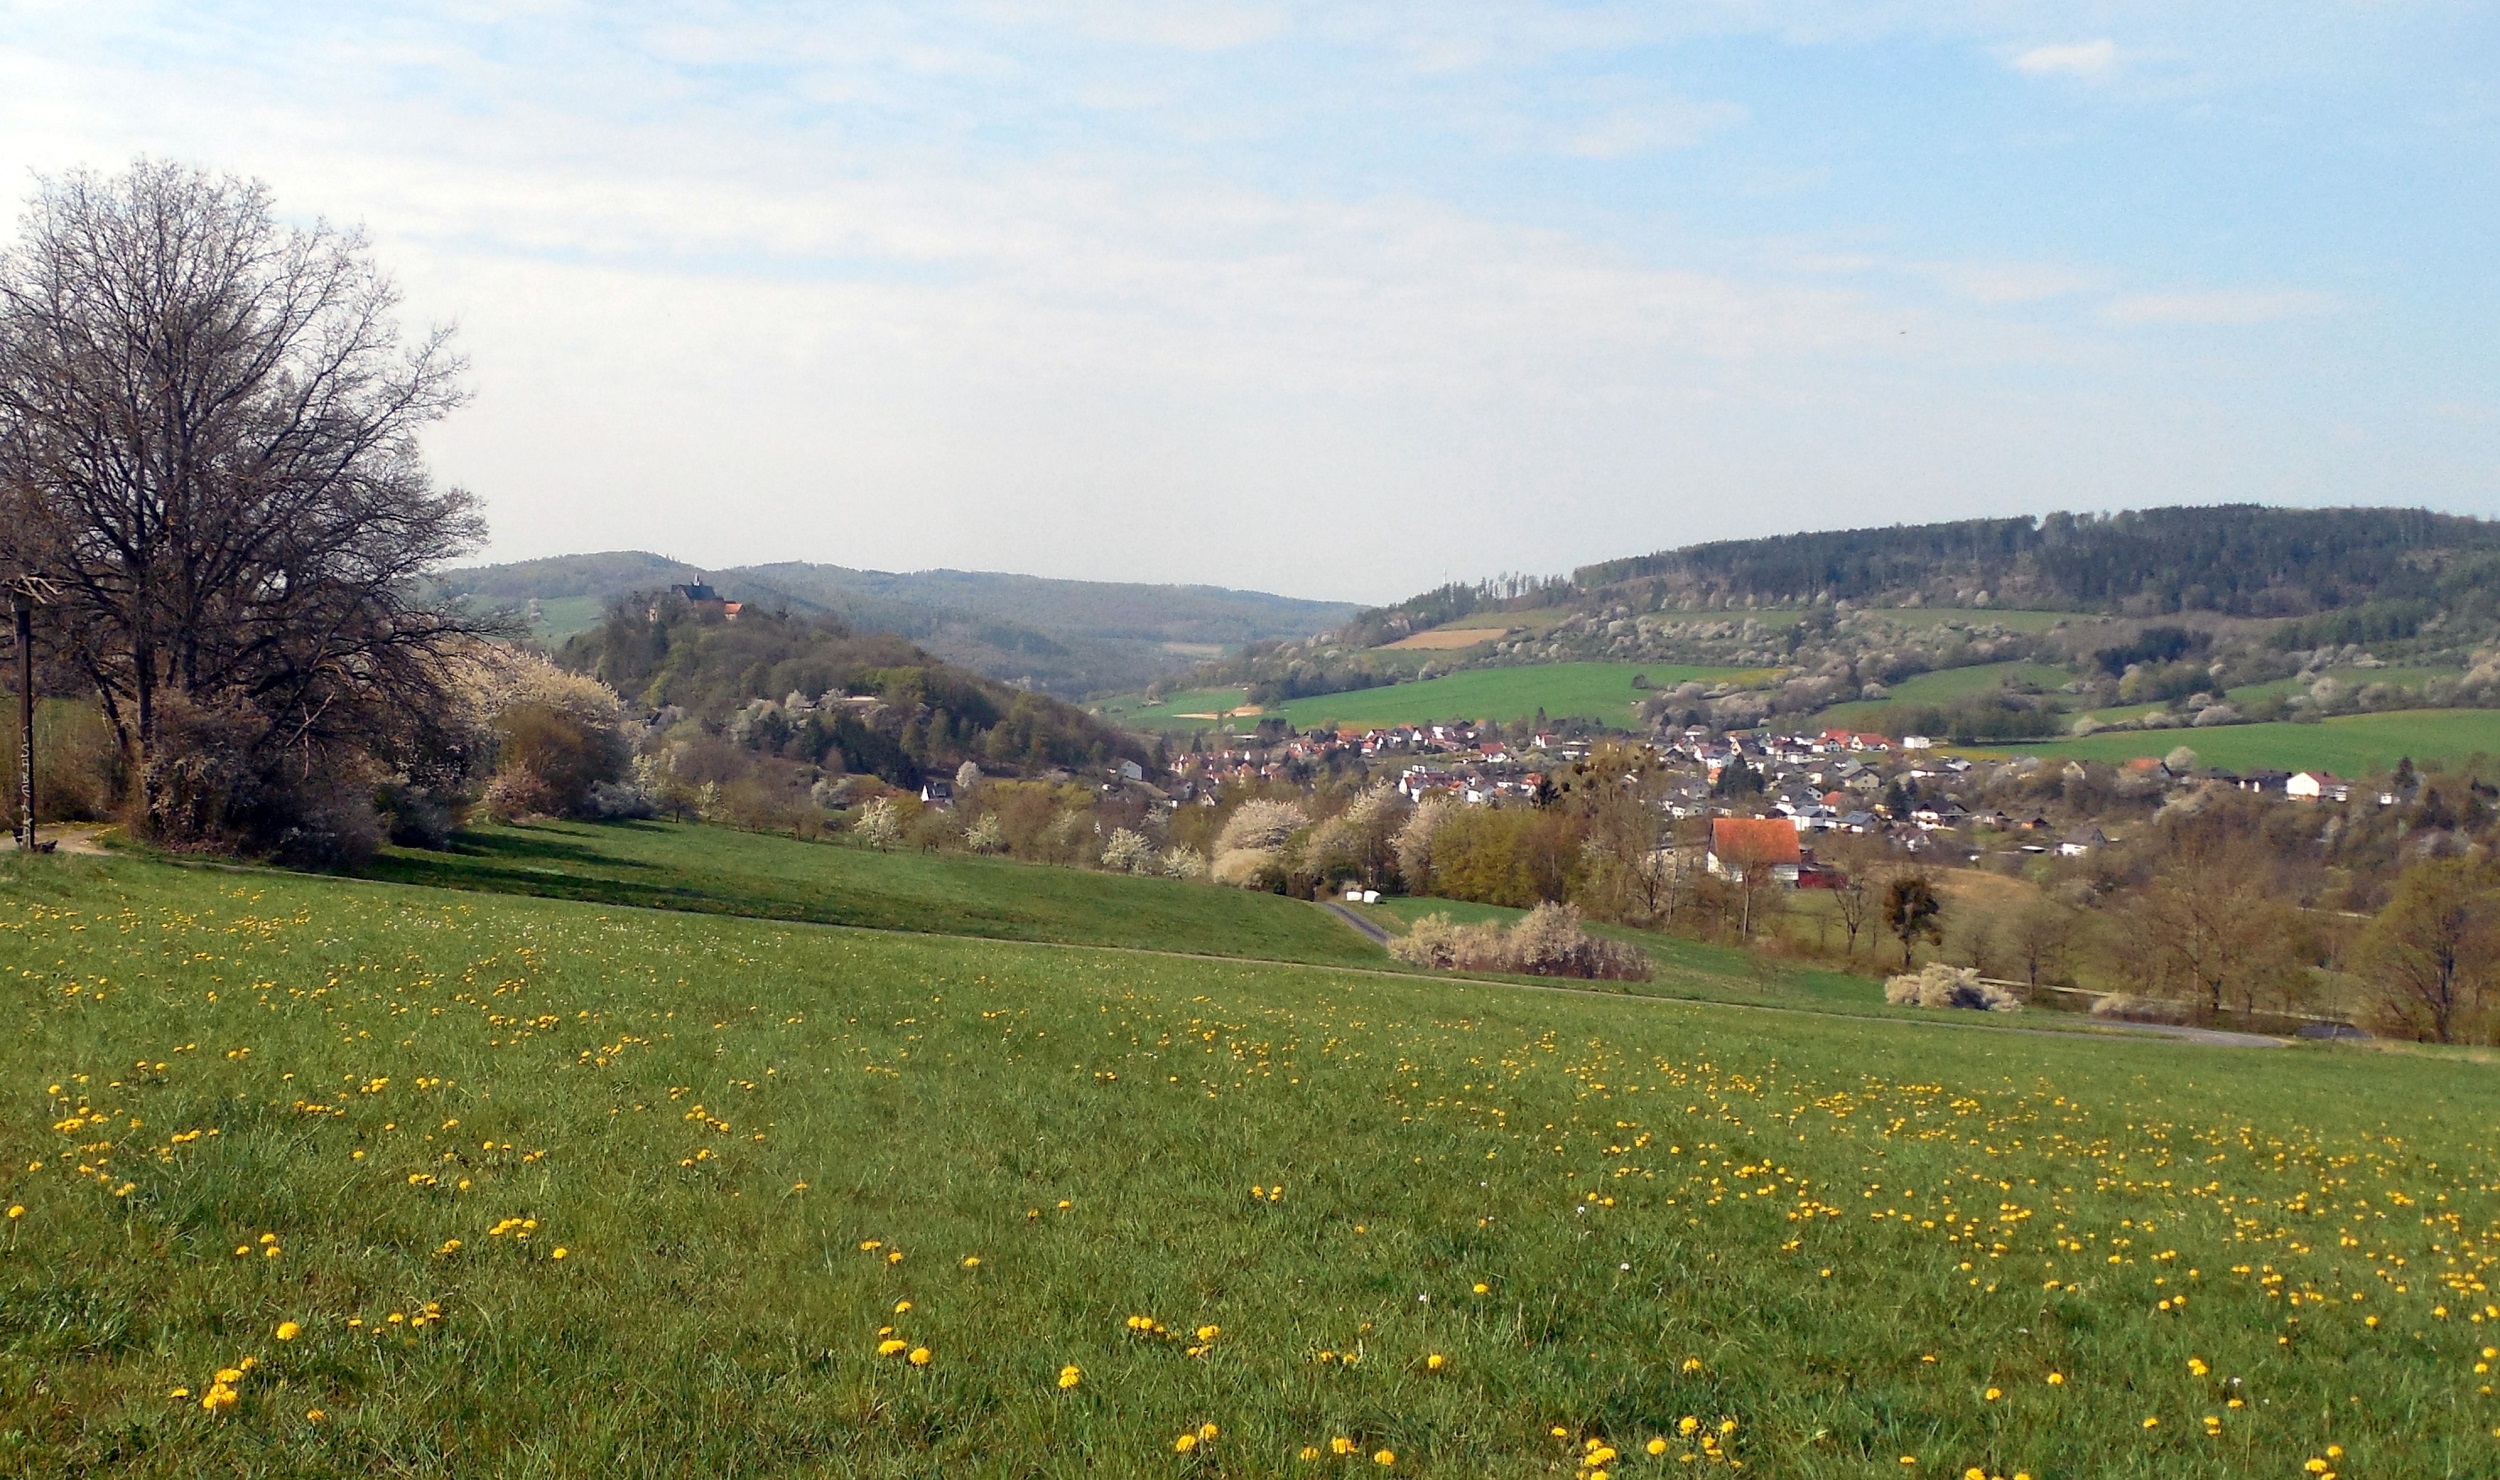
point(1829, 1244)
point(714, 870)
point(2350, 745)
point(1179, 711)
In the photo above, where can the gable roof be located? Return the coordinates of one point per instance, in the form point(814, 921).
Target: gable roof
point(1754, 839)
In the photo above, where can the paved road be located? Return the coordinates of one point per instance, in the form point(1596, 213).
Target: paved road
point(1373, 932)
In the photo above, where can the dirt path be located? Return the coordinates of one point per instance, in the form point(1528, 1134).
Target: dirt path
point(77, 837)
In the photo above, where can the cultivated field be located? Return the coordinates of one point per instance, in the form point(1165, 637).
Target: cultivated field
point(321, 1177)
point(2350, 745)
point(1942, 686)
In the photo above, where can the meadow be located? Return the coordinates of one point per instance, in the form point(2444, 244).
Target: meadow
point(1602, 691)
point(308, 1176)
point(2349, 745)
point(714, 870)
point(1941, 686)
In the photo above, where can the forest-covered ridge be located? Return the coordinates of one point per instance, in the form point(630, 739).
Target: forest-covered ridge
point(1065, 637)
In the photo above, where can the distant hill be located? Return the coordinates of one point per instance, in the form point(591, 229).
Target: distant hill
point(2211, 597)
point(2234, 559)
point(1071, 638)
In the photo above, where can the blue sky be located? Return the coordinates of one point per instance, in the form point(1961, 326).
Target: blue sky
point(1348, 299)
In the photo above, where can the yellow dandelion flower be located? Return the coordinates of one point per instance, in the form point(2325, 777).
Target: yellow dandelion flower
point(1482, 1287)
point(2151, 1421)
point(901, 1306)
point(894, 1256)
point(972, 1261)
point(179, 1393)
point(1656, 1446)
point(870, 1246)
point(2197, 1367)
point(2057, 1379)
point(1384, 1457)
point(17, 1210)
point(1343, 1445)
point(1309, 1452)
point(1070, 1376)
point(1692, 1364)
point(1184, 1443)
point(227, 1375)
point(1435, 1362)
point(559, 1252)
point(1993, 1394)
point(919, 1356)
point(289, 1330)
point(1207, 1431)
point(890, 1346)
point(314, 1415)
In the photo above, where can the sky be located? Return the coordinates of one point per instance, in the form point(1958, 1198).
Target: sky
point(1347, 300)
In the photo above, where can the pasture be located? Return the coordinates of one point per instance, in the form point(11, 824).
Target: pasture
point(307, 1176)
point(1601, 691)
point(2349, 745)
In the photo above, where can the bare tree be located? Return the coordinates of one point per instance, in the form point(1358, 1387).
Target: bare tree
point(1854, 903)
point(2040, 935)
point(207, 425)
point(2431, 952)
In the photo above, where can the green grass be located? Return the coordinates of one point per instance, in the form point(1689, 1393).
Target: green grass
point(2351, 745)
point(1942, 686)
point(1606, 1215)
point(559, 617)
point(2351, 678)
point(1688, 969)
point(714, 870)
point(1598, 690)
point(1601, 691)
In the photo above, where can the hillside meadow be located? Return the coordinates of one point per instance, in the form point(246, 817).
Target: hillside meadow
point(2349, 745)
point(1602, 691)
point(316, 1177)
point(715, 870)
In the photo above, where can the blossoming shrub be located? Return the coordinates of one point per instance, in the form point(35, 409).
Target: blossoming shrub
point(1939, 985)
point(1550, 942)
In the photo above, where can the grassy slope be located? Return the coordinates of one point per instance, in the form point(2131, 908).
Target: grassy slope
point(2352, 745)
point(1673, 1211)
point(1941, 687)
point(1600, 690)
point(717, 871)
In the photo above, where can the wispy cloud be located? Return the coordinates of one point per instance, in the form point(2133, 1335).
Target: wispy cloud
point(2087, 59)
point(1644, 130)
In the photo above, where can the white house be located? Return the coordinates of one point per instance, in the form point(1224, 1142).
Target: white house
point(2317, 786)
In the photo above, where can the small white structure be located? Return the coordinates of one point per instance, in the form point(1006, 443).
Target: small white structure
point(1917, 742)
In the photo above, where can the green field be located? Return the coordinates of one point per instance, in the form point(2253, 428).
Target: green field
point(2351, 745)
point(461, 1184)
point(1600, 691)
point(1942, 686)
point(717, 871)
point(2351, 678)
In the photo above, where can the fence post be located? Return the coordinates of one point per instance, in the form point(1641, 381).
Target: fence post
point(24, 603)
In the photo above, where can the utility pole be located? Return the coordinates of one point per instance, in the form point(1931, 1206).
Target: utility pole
point(24, 601)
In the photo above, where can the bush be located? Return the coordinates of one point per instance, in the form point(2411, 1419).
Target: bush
point(1940, 985)
point(1128, 852)
point(1549, 942)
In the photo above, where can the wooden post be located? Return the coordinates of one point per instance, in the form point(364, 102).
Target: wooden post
point(25, 605)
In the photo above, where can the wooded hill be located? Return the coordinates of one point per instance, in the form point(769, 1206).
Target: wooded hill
point(2235, 559)
point(1070, 638)
point(917, 715)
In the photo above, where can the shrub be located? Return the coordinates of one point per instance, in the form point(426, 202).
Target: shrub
point(1184, 863)
point(1549, 942)
point(880, 823)
point(1939, 985)
point(1128, 852)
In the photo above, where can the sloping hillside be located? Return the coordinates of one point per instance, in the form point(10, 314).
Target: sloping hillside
point(1064, 637)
